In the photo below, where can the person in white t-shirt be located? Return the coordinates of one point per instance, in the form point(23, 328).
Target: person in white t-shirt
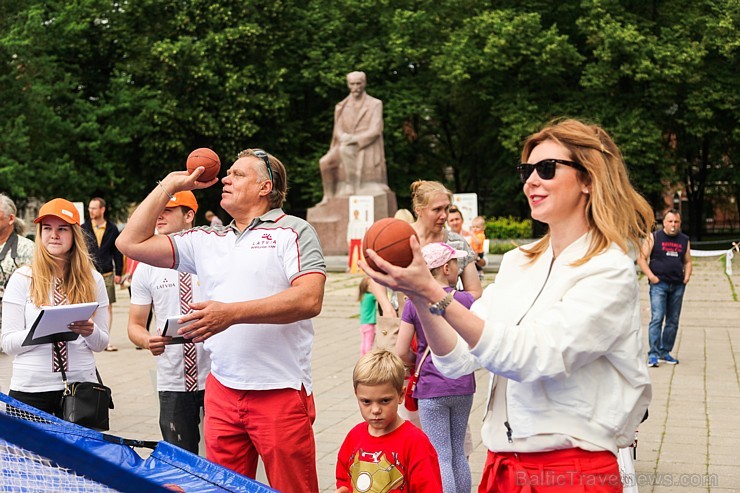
point(181, 368)
point(61, 273)
point(263, 277)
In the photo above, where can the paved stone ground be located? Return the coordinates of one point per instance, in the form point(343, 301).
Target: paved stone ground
point(689, 444)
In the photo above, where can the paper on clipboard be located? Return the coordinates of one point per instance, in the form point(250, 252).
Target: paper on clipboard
point(171, 327)
point(52, 323)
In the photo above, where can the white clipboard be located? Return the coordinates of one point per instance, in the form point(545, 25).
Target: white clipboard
point(52, 323)
point(171, 327)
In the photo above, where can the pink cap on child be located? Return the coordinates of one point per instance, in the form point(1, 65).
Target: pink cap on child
point(438, 254)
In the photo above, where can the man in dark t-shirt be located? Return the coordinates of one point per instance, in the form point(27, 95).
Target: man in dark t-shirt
point(665, 259)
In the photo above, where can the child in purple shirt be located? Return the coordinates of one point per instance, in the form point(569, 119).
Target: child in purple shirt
point(444, 403)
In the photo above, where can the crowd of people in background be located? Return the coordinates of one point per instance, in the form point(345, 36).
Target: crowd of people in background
point(558, 330)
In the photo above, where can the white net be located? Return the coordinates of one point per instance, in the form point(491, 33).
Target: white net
point(25, 471)
point(40, 453)
point(16, 412)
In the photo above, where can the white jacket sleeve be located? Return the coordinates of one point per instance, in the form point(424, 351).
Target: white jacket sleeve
point(98, 340)
point(590, 318)
point(458, 362)
point(14, 330)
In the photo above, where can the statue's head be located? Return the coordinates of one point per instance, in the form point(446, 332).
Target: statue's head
point(356, 82)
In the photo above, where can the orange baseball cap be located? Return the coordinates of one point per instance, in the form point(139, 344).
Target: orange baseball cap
point(184, 199)
point(61, 208)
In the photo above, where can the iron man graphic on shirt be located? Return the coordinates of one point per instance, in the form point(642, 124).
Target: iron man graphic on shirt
point(372, 472)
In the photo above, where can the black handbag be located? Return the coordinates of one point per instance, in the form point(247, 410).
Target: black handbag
point(85, 403)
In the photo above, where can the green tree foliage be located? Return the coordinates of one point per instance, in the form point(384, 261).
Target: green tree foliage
point(75, 118)
point(508, 228)
point(103, 98)
point(666, 72)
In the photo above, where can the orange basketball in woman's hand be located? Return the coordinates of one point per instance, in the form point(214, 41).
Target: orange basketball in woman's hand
point(206, 158)
point(389, 238)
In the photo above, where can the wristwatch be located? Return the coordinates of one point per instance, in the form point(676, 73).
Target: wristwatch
point(439, 307)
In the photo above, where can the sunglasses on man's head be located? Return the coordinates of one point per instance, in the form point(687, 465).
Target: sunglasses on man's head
point(545, 168)
point(264, 157)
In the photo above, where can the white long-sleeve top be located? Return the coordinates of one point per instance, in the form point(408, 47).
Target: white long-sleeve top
point(565, 348)
point(32, 365)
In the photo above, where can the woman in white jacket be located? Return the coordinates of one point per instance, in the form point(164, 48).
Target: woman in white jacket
point(559, 330)
point(61, 273)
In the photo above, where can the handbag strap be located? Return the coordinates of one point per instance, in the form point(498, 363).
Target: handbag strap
point(64, 374)
point(421, 362)
point(61, 366)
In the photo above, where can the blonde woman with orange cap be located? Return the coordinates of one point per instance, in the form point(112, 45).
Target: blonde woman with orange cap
point(61, 273)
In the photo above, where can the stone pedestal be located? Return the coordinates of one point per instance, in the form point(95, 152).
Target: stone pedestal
point(330, 218)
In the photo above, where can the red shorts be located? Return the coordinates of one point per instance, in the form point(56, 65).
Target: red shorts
point(276, 425)
point(571, 470)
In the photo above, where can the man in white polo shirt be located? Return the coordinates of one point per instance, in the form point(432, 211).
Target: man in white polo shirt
point(263, 276)
point(181, 368)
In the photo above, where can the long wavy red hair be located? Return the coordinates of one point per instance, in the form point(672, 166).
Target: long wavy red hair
point(615, 211)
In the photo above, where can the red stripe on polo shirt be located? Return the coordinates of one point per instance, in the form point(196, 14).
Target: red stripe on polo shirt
point(307, 273)
point(172, 247)
point(205, 229)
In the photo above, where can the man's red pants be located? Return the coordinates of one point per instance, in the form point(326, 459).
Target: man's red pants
point(276, 425)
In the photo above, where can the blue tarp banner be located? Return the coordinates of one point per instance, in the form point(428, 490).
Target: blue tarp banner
point(112, 461)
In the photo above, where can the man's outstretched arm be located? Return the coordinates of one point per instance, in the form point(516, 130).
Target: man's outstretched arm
point(137, 240)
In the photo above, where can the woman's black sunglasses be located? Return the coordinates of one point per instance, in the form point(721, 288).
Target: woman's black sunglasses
point(545, 168)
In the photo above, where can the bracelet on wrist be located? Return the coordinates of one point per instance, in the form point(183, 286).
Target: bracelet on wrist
point(439, 307)
point(172, 197)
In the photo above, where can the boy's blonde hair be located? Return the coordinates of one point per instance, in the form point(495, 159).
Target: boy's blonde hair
point(479, 222)
point(379, 367)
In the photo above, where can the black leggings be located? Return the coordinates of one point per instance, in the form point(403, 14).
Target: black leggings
point(50, 402)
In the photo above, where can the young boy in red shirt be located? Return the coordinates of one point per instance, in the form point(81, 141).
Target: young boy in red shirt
point(385, 453)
